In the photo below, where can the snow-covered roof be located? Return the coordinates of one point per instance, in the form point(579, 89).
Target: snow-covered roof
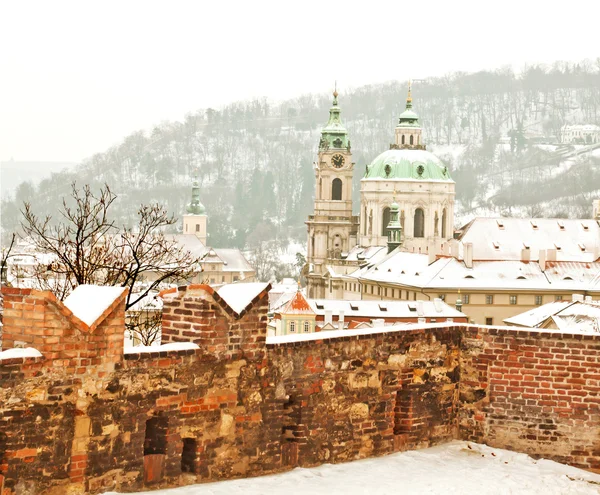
point(240, 295)
point(385, 309)
point(233, 260)
point(88, 302)
point(414, 270)
point(565, 316)
point(505, 238)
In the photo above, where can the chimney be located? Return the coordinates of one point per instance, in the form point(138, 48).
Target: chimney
point(588, 299)
point(328, 316)
point(468, 254)
point(525, 255)
point(578, 297)
point(378, 322)
point(453, 248)
point(542, 260)
point(437, 304)
point(551, 254)
point(341, 320)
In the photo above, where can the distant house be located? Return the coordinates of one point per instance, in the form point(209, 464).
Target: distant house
point(580, 134)
point(301, 315)
point(577, 315)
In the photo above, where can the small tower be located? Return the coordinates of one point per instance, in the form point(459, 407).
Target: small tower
point(408, 133)
point(394, 228)
point(195, 221)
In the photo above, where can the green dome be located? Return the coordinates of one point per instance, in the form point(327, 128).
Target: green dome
point(408, 118)
point(408, 164)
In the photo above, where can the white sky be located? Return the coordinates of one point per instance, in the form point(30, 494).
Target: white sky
point(78, 76)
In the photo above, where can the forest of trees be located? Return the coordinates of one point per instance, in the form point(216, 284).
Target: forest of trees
point(254, 158)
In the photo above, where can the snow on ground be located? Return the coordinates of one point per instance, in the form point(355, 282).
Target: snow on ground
point(454, 468)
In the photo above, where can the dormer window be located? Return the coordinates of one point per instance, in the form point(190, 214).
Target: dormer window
point(561, 225)
point(500, 224)
point(534, 225)
point(581, 246)
point(496, 245)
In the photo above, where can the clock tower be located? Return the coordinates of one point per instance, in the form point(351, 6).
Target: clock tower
point(332, 230)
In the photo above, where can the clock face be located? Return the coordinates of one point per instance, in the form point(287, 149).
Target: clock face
point(338, 161)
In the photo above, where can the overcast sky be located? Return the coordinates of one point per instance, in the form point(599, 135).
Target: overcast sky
point(78, 76)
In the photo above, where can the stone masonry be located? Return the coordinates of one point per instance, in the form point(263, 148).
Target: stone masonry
point(87, 417)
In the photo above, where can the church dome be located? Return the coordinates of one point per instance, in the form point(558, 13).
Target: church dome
point(408, 164)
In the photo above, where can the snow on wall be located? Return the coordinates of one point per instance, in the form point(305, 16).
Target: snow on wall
point(88, 302)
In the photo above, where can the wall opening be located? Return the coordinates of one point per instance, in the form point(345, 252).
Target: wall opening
point(403, 412)
point(336, 190)
point(155, 448)
point(419, 227)
point(188, 455)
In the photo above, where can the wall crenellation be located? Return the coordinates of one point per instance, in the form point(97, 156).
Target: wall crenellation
point(88, 418)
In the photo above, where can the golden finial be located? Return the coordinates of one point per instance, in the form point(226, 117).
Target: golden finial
point(335, 93)
point(409, 97)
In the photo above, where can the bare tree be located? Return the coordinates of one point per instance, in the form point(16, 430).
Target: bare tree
point(87, 247)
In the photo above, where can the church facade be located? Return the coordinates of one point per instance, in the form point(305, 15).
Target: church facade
point(406, 182)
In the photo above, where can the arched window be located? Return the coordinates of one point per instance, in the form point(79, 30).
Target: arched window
point(365, 221)
point(411, 139)
point(403, 138)
point(371, 222)
point(336, 190)
point(419, 229)
point(306, 327)
point(402, 220)
point(292, 327)
point(444, 223)
point(385, 220)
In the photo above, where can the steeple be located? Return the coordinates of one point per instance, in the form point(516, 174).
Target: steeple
point(195, 220)
point(408, 131)
point(394, 228)
point(195, 207)
point(334, 134)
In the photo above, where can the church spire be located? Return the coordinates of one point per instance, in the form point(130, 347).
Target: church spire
point(334, 134)
point(195, 207)
point(409, 97)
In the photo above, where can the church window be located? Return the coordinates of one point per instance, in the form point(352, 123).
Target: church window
point(385, 221)
point(365, 221)
point(370, 222)
point(403, 140)
point(419, 227)
point(402, 220)
point(435, 224)
point(444, 223)
point(411, 139)
point(292, 327)
point(336, 190)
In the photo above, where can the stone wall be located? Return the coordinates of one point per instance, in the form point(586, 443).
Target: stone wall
point(241, 406)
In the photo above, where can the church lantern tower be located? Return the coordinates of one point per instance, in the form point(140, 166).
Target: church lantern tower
point(195, 221)
point(332, 230)
point(394, 228)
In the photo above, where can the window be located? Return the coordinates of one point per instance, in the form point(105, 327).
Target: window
point(419, 227)
point(403, 139)
point(465, 298)
point(306, 327)
point(197, 227)
point(489, 321)
point(385, 292)
point(385, 215)
point(512, 299)
point(558, 298)
point(411, 139)
point(444, 223)
point(292, 327)
point(442, 296)
point(336, 190)
point(489, 299)
point(538, 300)
point(235, 278)
point(186, 227)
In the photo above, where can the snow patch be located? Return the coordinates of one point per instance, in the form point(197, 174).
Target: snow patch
point(239, 295)
point(88, 302)
point(175, 346)
point(27, 352)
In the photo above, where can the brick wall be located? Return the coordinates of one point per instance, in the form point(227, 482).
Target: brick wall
point(533, 391)
point(240, 407)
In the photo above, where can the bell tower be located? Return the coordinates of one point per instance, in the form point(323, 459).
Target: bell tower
point(332, 230)
point(195, 221)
